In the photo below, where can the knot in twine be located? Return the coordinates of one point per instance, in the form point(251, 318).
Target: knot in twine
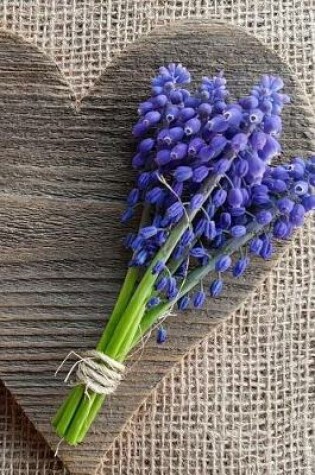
point(96, 371)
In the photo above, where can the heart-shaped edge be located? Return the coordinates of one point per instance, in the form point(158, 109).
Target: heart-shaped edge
point(163, 361)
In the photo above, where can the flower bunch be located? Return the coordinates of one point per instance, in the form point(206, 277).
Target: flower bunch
point(208, 190)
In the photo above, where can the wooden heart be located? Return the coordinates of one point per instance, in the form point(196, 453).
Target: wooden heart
point(65, 171)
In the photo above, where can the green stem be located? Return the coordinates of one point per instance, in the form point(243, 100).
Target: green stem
point(127, 315)
point(124, 294)
point(121, 303)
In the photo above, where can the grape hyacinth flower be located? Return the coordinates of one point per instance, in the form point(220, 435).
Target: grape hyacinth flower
point(209, 191)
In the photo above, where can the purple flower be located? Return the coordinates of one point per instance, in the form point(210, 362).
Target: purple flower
point(197, 136)
point(173, 73)
point(301, 188)
point(159, 101)
point(266, 249)
point(145, 107)
point(216, 288)
point(233, 115)
point(161, 284)
point(204, 110)
point(264, 217)
point(256, 245)
point(140, 129)
point(221, 166)
point(144, 180)
point(183, 173)
point(187, 237)
point(238, 230)
point(256, 167)
point(249, 102)
point(194, 146)
point(176, 97)
point(176, 210)
point(187, 113)
point(171, 288)
point(218, 125)
point(285, 205)
point(133, 197)
point(214, 149)
point(155, 195)
point(199, 299)
point(258, 140)
point(239, 142)
point(225, 220)
point(127, 215)
point(223, 263)
point(240, 267)
point(196, 201)
point(210, 230)
point(198, 252)
point(161, 336)
point(219, 198)
point(183, 302)
point(281, 229)
point(148, 231)
point(192, 126)
point(270, 150)
point(235, 197)
point(172, 113)
point(146, 145)
point(179, 152)
point(297, 215)
point(151, 118)
point(158, 267)
point(241, 167)
point(138, 161)
point(308, 202)
point(272, 124)
point(200, 227)
point(256, 116)
point(163, 157)
point(200, 173)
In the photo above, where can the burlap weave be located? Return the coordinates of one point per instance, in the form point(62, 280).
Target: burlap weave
point(243, 401)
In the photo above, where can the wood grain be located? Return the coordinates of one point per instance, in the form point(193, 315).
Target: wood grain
point(64, 173)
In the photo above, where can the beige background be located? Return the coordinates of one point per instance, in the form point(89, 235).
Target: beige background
point(243, 401)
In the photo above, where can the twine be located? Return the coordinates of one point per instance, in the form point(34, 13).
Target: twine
point(97, 371)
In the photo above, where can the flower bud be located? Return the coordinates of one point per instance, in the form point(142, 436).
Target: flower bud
point(192, 126)
point(219, 198)
point(216, 288)
point(183, 173)
point(183, 302)
point(179, 151)
point(194, 146)
point(151, 118)
point(200, 173)
point(238, 230)
point(161, 336)
point(199, 299)
point(240, 267)
point(264, 217)
point(235, 197)
point(187, 113)
point(163, 157)
point(223, 263)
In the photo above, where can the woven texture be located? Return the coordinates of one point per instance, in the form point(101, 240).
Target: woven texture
point(243, 401)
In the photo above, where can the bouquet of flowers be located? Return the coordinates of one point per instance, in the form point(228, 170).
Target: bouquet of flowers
point(208, 192)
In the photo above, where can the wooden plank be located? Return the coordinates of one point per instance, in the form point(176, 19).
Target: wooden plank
point(64, 173)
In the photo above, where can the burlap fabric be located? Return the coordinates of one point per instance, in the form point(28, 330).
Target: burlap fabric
point(243, 401)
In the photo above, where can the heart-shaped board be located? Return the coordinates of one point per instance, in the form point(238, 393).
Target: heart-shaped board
point(64, 174)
